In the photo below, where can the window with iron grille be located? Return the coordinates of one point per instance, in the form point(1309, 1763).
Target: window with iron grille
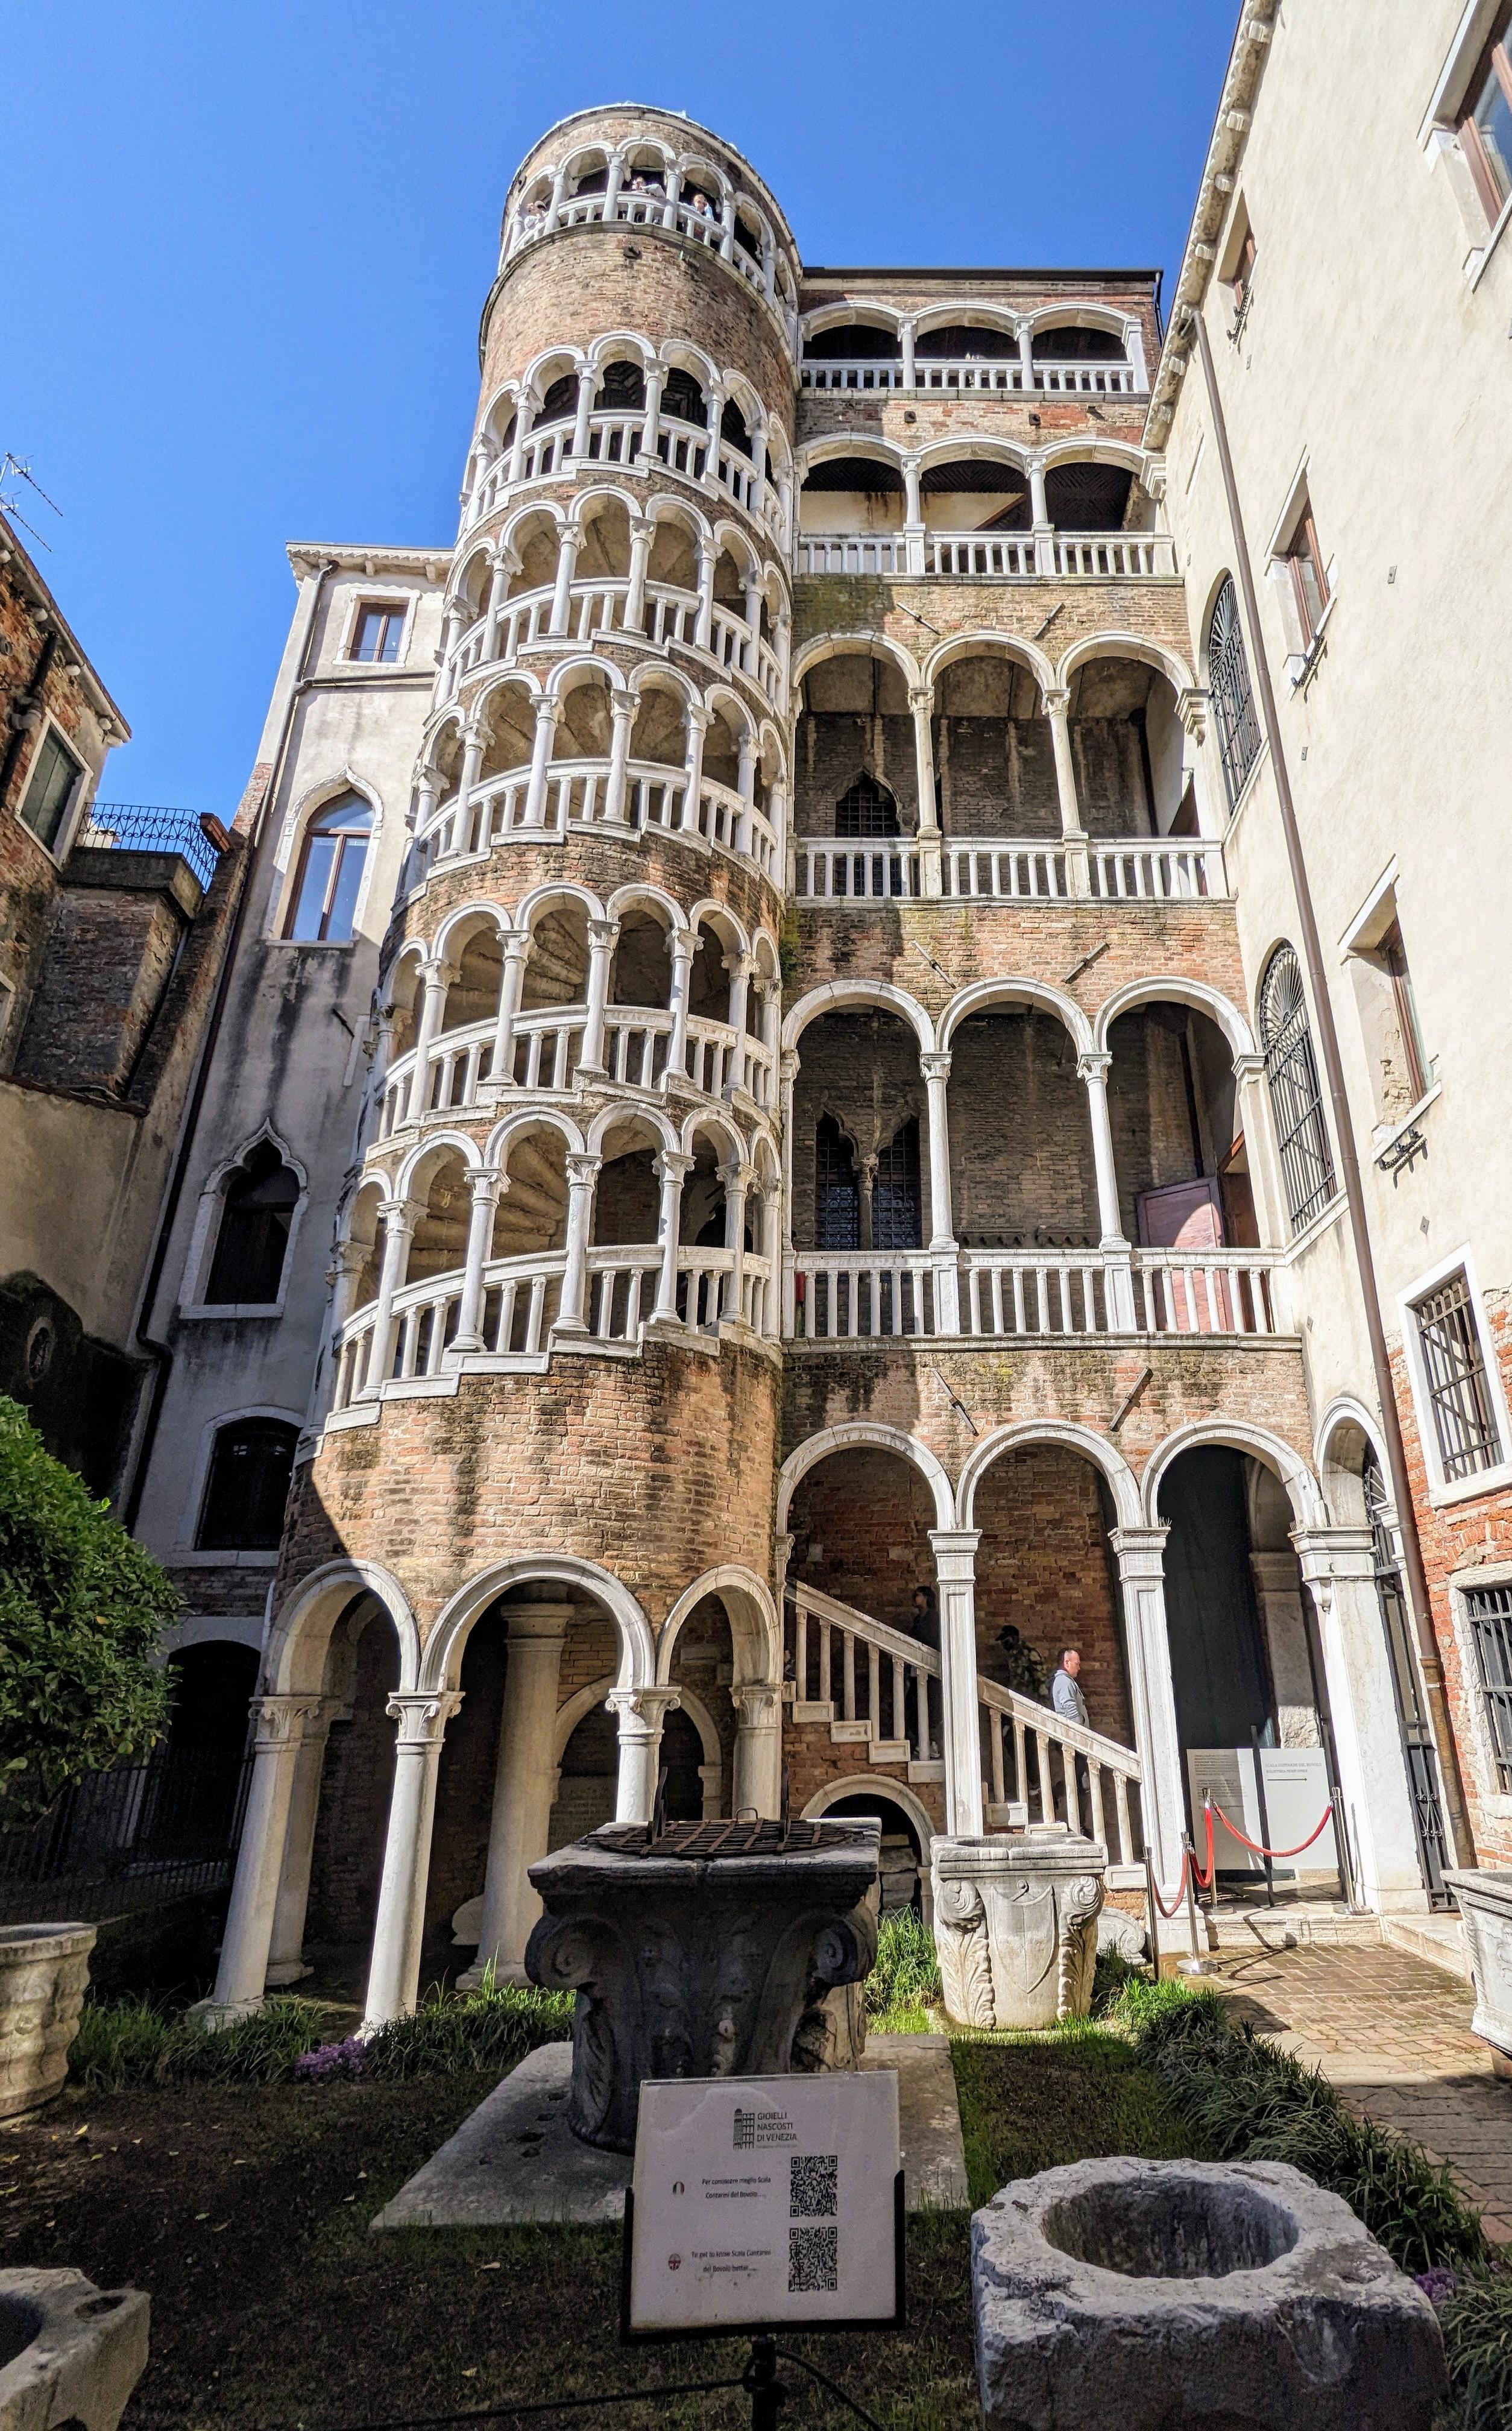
point(1459, 1390)
point(1296, 1099)
point(836, 1189)
point(866, 809)
point(895, 1193)
point(1489, 1613)
point(1228, 676)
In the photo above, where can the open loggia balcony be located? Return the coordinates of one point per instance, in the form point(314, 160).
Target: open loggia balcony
point(978, 511)
point(1050, 353)
point(567, 1000)
point(987, 783)
point(1020, 1183)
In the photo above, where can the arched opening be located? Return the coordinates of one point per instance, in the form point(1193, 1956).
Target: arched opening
point(474, 994)
point(965, 342)
point(640, 973)
point(555, 968)
point(529, 1224)
point(859, 1145)
point(1022, 1175)
point(1097, 497)
point(584, 723)
point(559, 402)
point(507, 720)
point(1228, 676)
point(627, 1197)
point(682, 399)
point(212, 1687)
point(733, 429)
point(257, 1204)
point(674, 560)
point(1065, 341)
point(1178, 1149)
point(604, 550)
point(362, 1671)
point(621, 388)
point(852, 354)
point(852, 494)
point(439, 1242)
point(993, 753)
point(535, 541)
point(660, 734)
point(1129, 748)
point(976, 494)
point(246, 1485)
point(855, 756)
point(860, 1520)
point(902, 1854)
point(1302, 1143)
point(708, 977)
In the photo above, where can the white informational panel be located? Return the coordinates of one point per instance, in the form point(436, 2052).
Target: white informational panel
point(1297, 1792)
point(763, 2200)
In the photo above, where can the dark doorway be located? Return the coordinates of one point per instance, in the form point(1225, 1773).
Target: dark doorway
point(1218, 1662)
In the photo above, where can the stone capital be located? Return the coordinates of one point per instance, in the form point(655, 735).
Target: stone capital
point(548, 707)
point(640, 1712)
point(1329, 1555)
point(1141, 1553)
point(286, 1720)
point(1191, 709)
point(1247, 1067)
point(1057, 700)
point(545, 1622)
point(757, 1703)
point(955, 1551)
point(1093, 1064)
point(934, 1063)
point(921, 700)
point(400, 1215)
point(672, 1163)
point(603, 933)
point(422, 1714)
point(486, 1185)
point(583, 1170)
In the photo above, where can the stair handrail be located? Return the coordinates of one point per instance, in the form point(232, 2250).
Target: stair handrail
point(895, 1642)
point(1047, 1723)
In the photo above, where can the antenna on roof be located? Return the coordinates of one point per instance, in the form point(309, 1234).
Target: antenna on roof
point(11, 466)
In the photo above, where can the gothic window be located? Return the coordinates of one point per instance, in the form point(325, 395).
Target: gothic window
point(257, 1209)
point(1297, 1101)
point(324, 903)
point(866, 809)
point(1228, 675)
point(895, 1193)
point(250, 1466)
point(836, 1189)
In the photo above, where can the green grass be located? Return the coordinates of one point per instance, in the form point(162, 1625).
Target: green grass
point(1477, 2324)
point(906, 1975)
point(1033, 2102)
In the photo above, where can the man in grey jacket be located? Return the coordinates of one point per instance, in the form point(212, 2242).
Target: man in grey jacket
point(1065, 1688)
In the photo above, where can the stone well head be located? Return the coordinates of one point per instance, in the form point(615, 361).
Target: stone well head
point(1151, 2294)
point(705, 1950)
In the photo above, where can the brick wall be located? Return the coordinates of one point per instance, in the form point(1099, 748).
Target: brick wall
point(870, 1512)
point(862, 1069)
point(108, 953)
point(1043, 1564)
point(1020, 1139)
point(354, 1798)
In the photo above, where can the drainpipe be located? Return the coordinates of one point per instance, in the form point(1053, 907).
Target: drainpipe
point(25, 707)
point(159, 1352)
point(1417, 1576)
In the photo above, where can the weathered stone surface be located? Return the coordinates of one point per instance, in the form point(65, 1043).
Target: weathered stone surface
point(1151, 2294)
point(1485, 1895)
point(69, 2352)
point(745, 1966)
point(1015, 1926)
point(1120, 1931)
point(44, 1971)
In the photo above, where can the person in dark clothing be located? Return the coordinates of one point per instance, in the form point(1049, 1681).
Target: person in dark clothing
point(923, 1622)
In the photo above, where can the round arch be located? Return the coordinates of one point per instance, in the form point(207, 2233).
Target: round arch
point(515, 1126)
point(973, 310)
point(1338, 1469)
point(1122, 1483)
point(864, 643)
point(633, 1113)
point(979, 451)
point(440, 1663)
point(865, 1435)
point(755, 1630)
point(982, 993)
point(465, 921)
point(979, 643)
point(1176, 990)
point(838, 996)
point(299, 1640)
point(1278, 1456)
point(1110, 645)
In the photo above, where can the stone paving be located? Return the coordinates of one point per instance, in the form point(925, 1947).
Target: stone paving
point(1392, 2033)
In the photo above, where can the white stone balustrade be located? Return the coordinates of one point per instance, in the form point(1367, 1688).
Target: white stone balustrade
point(852, 553)
point(1012, 1724)
point(1158, 869)
point(997, 556)
point(1155, 869)
point(543, 1052)
point(843, 1296)
point(599, 606)
point(1002, 375)
point(831, 869)
point(574, 797)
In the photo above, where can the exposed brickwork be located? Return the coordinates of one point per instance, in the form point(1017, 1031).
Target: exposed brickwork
point(1044, 1565)
point(354, 1797)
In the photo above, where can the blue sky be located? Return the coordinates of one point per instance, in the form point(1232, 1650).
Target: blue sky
point(247, 247)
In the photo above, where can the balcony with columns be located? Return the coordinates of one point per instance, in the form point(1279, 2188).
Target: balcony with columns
point(662, 579)
point(1015, 1174)
point(643, 415)
point(645, 183)
point(952, 350)
point(987, 513)
point(994, 782)
point(600, 755)
point(572, 1000)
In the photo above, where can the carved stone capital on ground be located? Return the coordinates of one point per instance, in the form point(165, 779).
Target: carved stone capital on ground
point(1015, 1926)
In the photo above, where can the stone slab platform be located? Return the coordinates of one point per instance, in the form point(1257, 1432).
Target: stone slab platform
point(515, 2161)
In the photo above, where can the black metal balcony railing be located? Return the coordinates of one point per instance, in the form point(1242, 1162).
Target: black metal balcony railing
point(131, 1838)
point(151, 827)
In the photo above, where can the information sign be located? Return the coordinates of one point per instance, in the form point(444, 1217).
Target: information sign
point(764, 2200)
point(1297, 1794)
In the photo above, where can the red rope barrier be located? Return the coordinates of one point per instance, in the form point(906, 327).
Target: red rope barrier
point(1174, 1910)
point(1203, 1880)
point(1326, 1818)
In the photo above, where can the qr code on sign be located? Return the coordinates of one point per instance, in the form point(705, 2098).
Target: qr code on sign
point(814, 2261)
point(813, 2185)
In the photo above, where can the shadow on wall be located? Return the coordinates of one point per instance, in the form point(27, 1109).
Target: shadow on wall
point(78, 1393)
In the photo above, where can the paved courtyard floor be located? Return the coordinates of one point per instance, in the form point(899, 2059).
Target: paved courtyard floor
point(1392, 2033)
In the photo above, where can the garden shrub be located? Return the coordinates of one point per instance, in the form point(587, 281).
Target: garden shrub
point(906, 1975)
point(1477, 2326)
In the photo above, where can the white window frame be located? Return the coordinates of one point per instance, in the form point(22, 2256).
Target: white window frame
point(186, 1554)
point(377, 594)
point(203, 1239)
point(1462, 1583)
point(296, 827)
point(1301, 651)
point(1443, 1491)
point(1438, 136)
point(83, 792)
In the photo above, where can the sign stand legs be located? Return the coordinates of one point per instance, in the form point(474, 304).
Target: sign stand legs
point(767, 2394)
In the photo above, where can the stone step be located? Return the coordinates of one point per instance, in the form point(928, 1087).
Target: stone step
point(851, 1734)
point(813, 1711)
point(887, 1751)
point(1303, 1924)
point(1440, 1939)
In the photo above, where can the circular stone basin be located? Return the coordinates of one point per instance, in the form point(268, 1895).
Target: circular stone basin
point(1171, 2227)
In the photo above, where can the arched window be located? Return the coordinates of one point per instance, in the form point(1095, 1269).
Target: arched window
point(622, 389)
point(324, 902)
point(836, 1189)
point(257, 1209)
point(1297, 1101)
point(247, 1486)
point(1228, 676)
point(866, 809)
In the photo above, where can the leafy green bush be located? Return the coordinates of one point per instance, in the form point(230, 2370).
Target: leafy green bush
point(1244, 2099)
point(452, 2035)
point(1477, 2326)
point(82, 1608)
point(907, 1972)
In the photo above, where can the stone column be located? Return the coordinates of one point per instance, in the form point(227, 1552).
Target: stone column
point(582, 1172)
point(921, 704)
point(523, 410)
point(652, 427)
point(286, 1961)
point(783, 645)
point(696, 721)
point(1141, 1555)
point(643, 534)
point(622, 709)
point(487, 1189)
point(501, 568)
point(708, 558)
point(280, 1722)
point(737, 1179)
point(1278, 1595)
point(758, 1780)
point(615, 180)
point(955, 1551)
point(910, 365)
point(742, 969)
point(671, 1166)
point(1078, 866)
point(682, 947)
point(558, 192)
point(587, 385)
point(524, 1785)
point(516, 954)
point(547, 711)
point(398, 1931)
point(1043, 527)
point(568, 547)
point(1338, 1566)
point(399, 1218)
point(601, 938)
point(913, 518)
point(638, 1713)
point(471, 765)
point(787, 1072)
point(436, 978)
point(936, 1070)
point(1252, 1105)
point(1092, 1071)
